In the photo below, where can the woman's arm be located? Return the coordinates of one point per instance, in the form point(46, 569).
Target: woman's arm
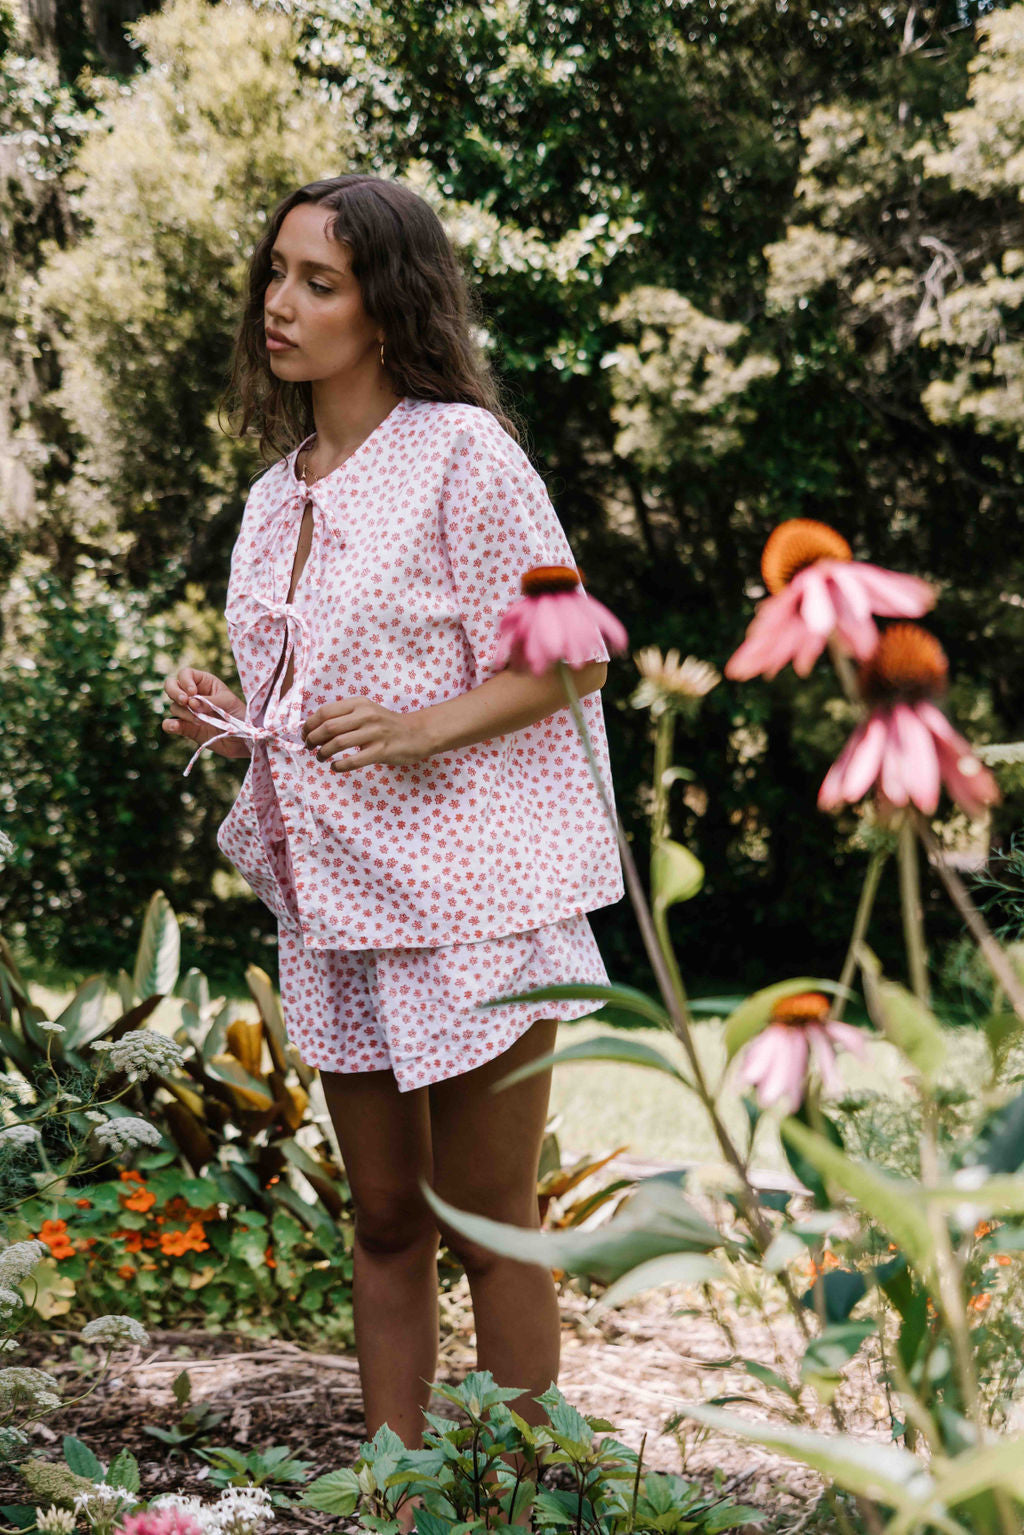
point(510, 701)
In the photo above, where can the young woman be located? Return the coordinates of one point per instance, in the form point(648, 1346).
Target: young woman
point(421, 821)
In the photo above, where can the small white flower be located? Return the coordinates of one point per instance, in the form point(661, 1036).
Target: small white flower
point(141, 1052)
point(51, 1028)
point(20, 1135)
point(18, 1260)
point(10, 1298)
point(22, 1386)
point(114, 1329)
point(128, 1131)
point(6, 848)
point(8, 1346)
point(55, 1521)
point(100, 1502)
point(96, 1117)
point(15, 1086)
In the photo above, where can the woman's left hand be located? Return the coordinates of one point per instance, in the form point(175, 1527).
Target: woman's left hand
point(380, 734)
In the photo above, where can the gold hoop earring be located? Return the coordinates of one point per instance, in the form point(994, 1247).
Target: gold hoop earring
point(382, 354)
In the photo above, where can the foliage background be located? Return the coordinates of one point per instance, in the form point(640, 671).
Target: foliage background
point(737, 263)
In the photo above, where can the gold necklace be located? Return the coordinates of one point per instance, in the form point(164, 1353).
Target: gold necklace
point(307, 482)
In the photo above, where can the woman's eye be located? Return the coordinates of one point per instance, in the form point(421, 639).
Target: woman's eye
point(316, 286)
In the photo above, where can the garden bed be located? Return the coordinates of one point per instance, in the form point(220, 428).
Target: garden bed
point(634, 1366)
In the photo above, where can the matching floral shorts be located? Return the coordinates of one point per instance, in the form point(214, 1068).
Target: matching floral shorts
point(414, 1010)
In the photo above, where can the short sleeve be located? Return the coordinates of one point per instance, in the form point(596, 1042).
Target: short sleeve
point(498, 523)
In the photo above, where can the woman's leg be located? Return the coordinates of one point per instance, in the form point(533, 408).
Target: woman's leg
point(486, 1150)
point(384, 1139)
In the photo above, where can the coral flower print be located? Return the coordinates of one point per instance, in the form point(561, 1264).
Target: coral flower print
point(800, 1031)
point(906, 745)
point(818, 589)
point(553, 621)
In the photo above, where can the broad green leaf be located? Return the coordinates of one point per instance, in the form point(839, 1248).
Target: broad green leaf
point(336, 1493)
point(964, 1477)
point(676, 875)
point(625, 997)
point(753, 1014)
point(895, 1203)
point(123, 1471)
point(1000, 1146)
point(671, 1268)
point(657, 1219)
point(81, 1460)
point(905, 1022)
point(83, 1018)
point(608, 1047)
point(880, 1471)
point(159, 952)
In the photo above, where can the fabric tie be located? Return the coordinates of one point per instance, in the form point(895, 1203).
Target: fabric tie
point(289, 739)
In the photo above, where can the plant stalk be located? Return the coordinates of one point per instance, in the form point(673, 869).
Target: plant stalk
point(910, 905)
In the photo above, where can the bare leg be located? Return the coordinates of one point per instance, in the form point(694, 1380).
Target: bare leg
point(384, 1139)
point(486, 1149)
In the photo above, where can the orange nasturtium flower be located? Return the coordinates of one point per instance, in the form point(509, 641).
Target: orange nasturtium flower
point(84, 1204)
point(141, 1200)
point(130, 1176)
point(126, 1271)
point(980, 1302)
point(269, 1259)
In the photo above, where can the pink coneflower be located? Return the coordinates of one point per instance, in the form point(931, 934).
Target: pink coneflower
point(800, 1032)
point(555, 621)
point(817, 588)
point(907, 745)
point(160, 1521)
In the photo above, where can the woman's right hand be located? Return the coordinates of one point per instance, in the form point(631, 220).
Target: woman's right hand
point(187, 685)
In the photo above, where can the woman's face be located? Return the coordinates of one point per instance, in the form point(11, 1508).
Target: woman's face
point(313, 300)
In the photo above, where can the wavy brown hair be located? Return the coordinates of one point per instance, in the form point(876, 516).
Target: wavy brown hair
point(411, 284)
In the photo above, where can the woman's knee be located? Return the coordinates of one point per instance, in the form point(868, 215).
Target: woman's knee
point(516, 1208)
point(388, 1222)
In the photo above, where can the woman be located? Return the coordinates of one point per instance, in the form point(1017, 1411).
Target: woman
point(421, 821)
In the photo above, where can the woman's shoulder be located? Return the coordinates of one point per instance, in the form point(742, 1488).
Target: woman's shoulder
point(468, 432)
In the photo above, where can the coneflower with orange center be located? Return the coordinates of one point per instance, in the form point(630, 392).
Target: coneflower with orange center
point(817, 589)
point(906, 745)
point(555, 620)
point(799, 1032)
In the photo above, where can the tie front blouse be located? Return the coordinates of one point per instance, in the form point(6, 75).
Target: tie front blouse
point(419, 541)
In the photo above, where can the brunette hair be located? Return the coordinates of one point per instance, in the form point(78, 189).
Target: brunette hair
point(412, 286)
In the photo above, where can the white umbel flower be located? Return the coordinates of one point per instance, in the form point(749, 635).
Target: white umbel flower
point(238, 1511)
point(101, 1503)
point(128, 1131)
point(20, 1135)
point(9, 1298)
point(6, 848)
point(22, 1386)
point(114, 1329)
point(55, 1521)
point(141, 1052)
point(18, 1260)
point(51, 1028)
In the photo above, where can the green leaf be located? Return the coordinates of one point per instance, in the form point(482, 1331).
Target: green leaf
point(730, 1517)
point(607, 1047)
point(671, 1268)
point(123, 1472)
point(895, 1203)
point(657, 1219)
point(769, 1377)
point(1000, 1147)
point(159, 952)
point(627, 998)
point(753, 1014)
point(905, 1021)
point(835, 1346)
point(336, 1493)
point(883, 1472)
point(676, 875)
point(840, 1290)
point(83, 1018)
point(81, 1460)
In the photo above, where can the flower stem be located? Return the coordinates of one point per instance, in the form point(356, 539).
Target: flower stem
point(865, 907)
point(992, 951)
point(910, 903)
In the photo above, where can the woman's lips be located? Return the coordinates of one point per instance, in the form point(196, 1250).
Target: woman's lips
point(273, 345)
